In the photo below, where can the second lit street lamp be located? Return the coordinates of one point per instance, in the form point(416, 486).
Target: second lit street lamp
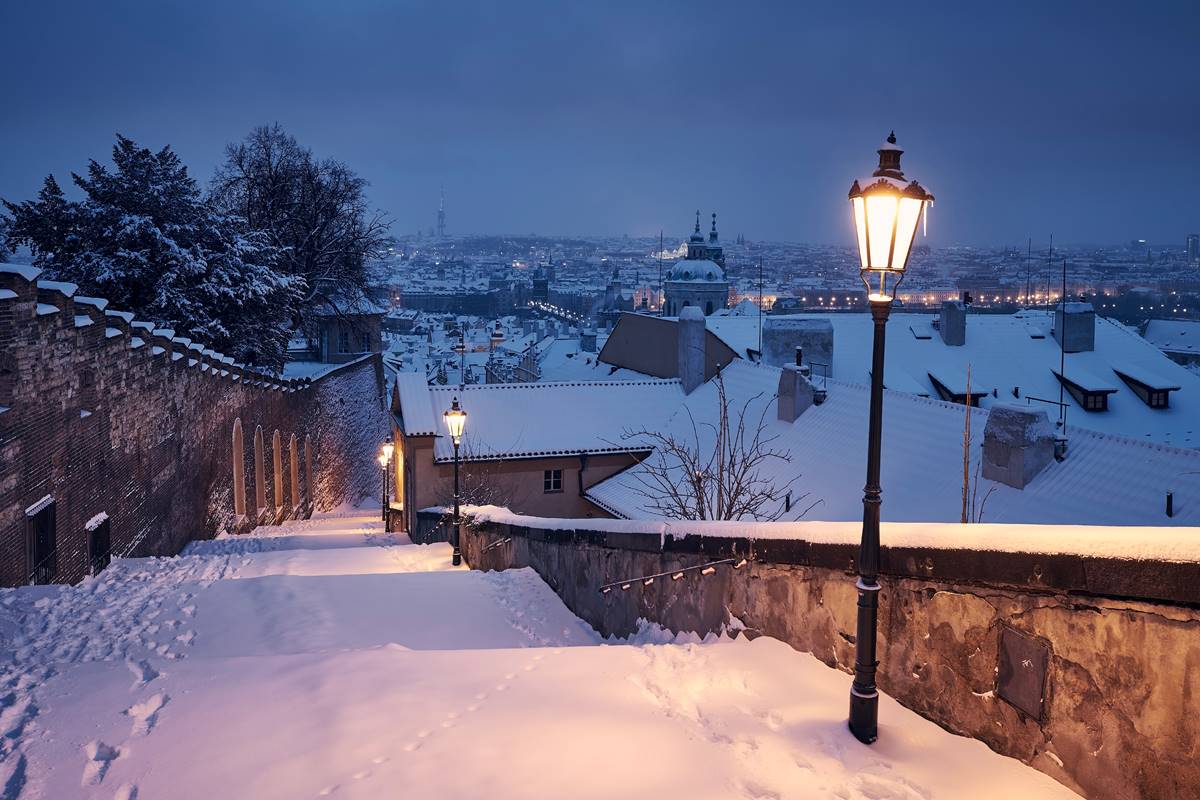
point(385, 461)
point(887, 209)
point(456, 421)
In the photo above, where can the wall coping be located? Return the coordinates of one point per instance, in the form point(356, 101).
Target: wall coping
point(1117, 562)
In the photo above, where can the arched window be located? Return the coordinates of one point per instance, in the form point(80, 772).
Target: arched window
point(294, 452)
point(239, 471)
point(260, 471)
point(277, 453)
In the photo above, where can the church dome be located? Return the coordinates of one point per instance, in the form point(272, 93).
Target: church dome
point(696, 271)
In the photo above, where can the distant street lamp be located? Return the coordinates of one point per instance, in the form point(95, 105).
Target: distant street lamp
point(887, 209)
point(456, 420)
point(385, 461)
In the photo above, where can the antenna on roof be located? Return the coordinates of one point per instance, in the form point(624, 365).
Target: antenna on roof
point(1028, 268)
point(760, 307)
point(1062, 351)
point(1049, 259)
point(660, 251)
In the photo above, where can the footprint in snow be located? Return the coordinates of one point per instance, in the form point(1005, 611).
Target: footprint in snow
point(127, 791)
point(143, 673)
point(145, 713)
point(99, 756)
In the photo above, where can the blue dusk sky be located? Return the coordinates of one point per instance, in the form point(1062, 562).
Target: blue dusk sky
point(1080, 119)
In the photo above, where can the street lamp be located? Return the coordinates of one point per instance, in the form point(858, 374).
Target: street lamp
point(887, 209)
point(385, 460)
point(456, 420)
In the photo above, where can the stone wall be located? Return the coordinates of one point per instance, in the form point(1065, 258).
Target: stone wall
point(106, 415)
point(1118, 715)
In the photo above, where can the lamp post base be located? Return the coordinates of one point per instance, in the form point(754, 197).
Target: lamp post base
point(864, 717)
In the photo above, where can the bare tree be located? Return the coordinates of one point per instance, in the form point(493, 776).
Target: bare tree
point(314, 210)
point(972, 506)
point(480, 483)
point(686, 478)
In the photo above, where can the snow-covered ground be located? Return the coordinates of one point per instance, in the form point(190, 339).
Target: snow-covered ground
point(326, 658)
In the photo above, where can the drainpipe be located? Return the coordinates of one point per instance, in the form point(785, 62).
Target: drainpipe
point(583, 459)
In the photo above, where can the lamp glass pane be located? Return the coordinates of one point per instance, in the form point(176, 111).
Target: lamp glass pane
point(455, 421)
point(906, 229)
point(860, 223)
point(881, 216)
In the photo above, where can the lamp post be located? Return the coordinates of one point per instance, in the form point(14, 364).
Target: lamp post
point(461, 349)
point(456, 420)
point(887, 209)
point(385, 461)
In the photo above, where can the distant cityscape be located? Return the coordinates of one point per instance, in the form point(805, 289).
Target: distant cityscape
point(589, 278)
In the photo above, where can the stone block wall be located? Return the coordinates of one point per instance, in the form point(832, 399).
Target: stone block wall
point(106, 415)
point(1119, 714)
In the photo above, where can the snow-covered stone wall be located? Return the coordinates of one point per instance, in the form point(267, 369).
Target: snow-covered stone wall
point(104, 414)
point(1075, 654)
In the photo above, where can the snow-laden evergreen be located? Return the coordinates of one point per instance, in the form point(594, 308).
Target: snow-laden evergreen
point(145, 237)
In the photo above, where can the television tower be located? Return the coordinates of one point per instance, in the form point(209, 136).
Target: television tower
point(441, 219)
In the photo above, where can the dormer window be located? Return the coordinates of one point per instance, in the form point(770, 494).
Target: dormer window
point(1150, 389)
point(1089, 393)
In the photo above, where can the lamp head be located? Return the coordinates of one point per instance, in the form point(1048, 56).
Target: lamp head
point(456, 421)
point(887, 209)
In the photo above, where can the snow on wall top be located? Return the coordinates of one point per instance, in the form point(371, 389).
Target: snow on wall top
point(1105, 479)
point(1004, 355)
point(1094, 541)
point(522, 420)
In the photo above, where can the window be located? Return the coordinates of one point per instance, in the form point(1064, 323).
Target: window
point(552, 481)
point(364, 342)
point(343, 340)
point(41, 541)
point(1096, 402)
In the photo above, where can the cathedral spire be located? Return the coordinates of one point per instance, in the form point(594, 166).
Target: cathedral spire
point(712, 236)
point(697, 220)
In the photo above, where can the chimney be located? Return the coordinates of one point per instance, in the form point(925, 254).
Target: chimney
point(1076, 333)
point(1018, 443)
point(795, 394)
point(784, 336)
point(953, 323)
point(691, 347)
point(587, 341)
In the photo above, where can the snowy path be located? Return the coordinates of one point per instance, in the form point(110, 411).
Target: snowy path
point(326, 659)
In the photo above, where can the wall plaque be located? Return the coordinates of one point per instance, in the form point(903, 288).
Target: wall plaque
point(1021, 680)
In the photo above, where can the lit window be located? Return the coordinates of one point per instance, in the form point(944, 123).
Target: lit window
point(552, 481)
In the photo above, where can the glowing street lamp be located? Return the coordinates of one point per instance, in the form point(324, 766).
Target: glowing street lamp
point(456, 421)
point(887, 209)
point(385, 461)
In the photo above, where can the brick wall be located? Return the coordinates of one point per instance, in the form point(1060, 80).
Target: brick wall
point(107, 415)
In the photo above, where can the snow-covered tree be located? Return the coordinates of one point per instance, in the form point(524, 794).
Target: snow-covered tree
point(313, 210)
point(146, 238)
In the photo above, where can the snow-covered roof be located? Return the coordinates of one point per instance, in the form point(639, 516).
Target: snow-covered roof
point(416, 407)
point(1105, 479)
point(1174, 335)
point(1008, 352)
point(525, 420)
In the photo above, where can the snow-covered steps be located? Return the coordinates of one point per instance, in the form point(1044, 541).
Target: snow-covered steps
point(372, 668)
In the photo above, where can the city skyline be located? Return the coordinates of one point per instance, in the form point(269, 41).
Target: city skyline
point(1071, 122)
